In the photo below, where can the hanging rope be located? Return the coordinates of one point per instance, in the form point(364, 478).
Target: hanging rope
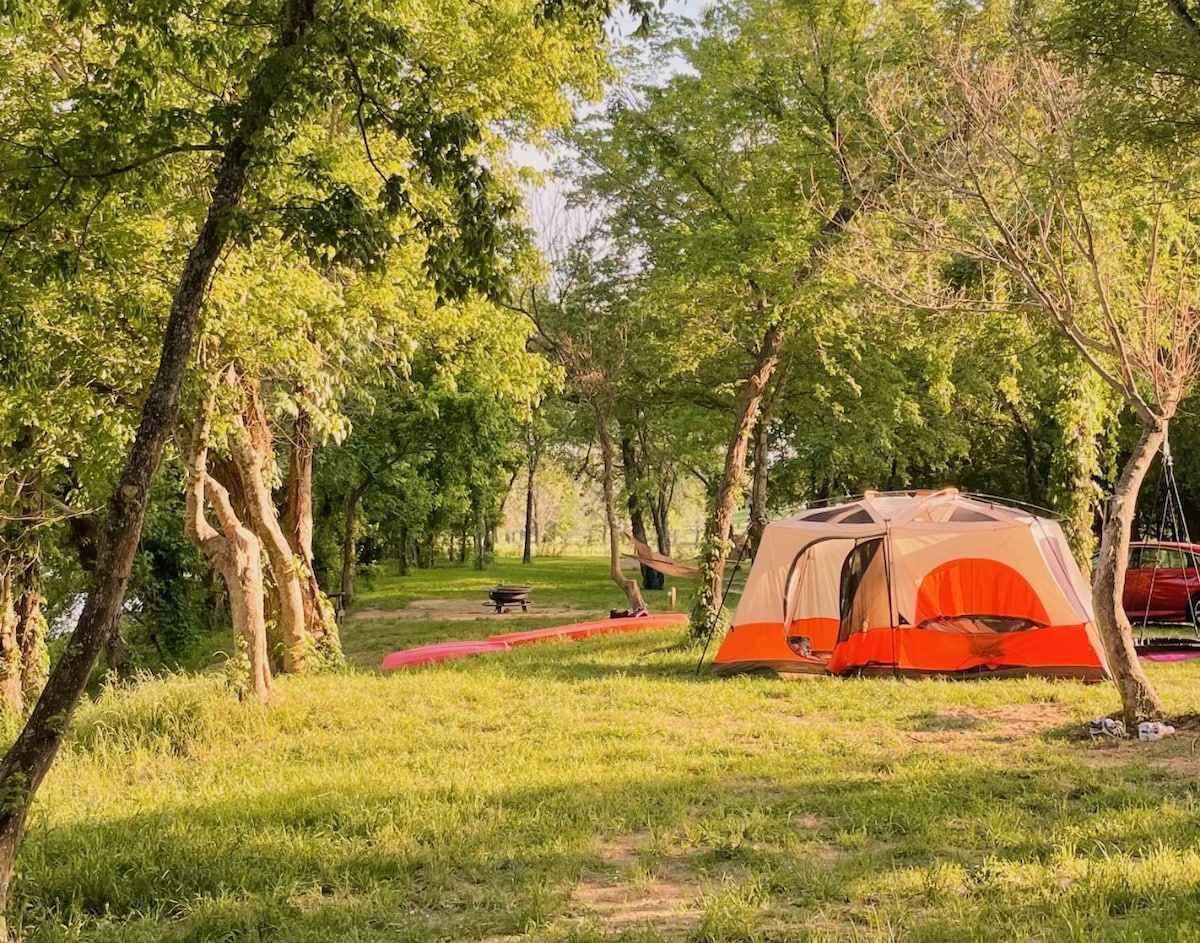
point(1173, 525)
point(1192, 559)
point(1162, 524)
point(712, 629)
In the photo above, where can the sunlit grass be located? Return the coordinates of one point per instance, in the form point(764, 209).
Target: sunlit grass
point(581, 582)
point(517, 795)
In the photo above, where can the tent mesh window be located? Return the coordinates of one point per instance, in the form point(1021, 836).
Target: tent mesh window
point(980, 624)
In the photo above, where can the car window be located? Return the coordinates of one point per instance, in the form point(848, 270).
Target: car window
point(1158, 558)
point(1135, 558)
point(1188, 559)
point(1172, 560)
point(1152, 558)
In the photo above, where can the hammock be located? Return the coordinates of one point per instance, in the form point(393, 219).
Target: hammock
point(667, 566)
point(662, 563)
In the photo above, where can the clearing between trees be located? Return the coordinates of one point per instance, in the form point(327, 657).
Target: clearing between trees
point(602, 790)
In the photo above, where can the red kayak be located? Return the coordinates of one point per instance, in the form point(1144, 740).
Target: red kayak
point(580, 630)
point(440, 651)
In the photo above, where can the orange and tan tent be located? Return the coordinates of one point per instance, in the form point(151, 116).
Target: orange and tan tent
point(912, 584)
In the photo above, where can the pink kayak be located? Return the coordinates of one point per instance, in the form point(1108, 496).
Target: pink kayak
point(440, 651)
point(1170, 656)
point(578, 630)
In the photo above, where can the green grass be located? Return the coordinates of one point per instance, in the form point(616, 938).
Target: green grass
point(557, 581)
point(600, 790)
point(581, 584)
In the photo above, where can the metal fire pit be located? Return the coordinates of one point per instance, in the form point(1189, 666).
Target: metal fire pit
point(505, 597)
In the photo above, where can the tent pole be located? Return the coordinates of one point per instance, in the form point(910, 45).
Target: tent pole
point(887, 571)
point(712, 629)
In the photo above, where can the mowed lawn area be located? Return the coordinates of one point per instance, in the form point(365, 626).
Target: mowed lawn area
point(601, 790)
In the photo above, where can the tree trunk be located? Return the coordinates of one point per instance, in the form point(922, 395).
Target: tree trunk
point(660, 509)
point(116, 654)
point(527, 553)
point(319, 620)
point(480, 560)
point(716, 538)
point(350, 543)
point(243, 576)
point(1033, 477)
point(250, 447)
point(637, 520)
point(31, 632)
point(298, 516)
point(12, 704)
point(1139, 700)
point(228, 475)
point(235, 552)
point(349, 551)
point(31, 623)
point(29, 759)
point(758, 489)
point(403, 561)
point(628, 587)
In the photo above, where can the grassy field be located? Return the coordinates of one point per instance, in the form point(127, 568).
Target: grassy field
point(601, 790)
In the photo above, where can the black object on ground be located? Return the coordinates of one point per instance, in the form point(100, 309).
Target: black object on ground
point(504, 597)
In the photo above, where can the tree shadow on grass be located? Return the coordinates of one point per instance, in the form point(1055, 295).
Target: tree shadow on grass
point(989, 851)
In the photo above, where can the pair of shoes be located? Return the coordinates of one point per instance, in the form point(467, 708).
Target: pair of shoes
point(1107, 727)
point(1151, 731)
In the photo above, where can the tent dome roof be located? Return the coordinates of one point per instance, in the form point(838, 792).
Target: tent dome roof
point(916, 507)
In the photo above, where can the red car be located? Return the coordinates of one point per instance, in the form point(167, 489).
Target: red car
point(1163, 582)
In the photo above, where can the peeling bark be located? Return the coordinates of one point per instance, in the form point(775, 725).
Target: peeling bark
point(250, 446)
point(235, 553)
point(1139, 700)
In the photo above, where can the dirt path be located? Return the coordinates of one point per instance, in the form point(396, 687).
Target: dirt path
point(466, 610)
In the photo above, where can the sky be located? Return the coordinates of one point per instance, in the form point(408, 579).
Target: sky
point(545, 203)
